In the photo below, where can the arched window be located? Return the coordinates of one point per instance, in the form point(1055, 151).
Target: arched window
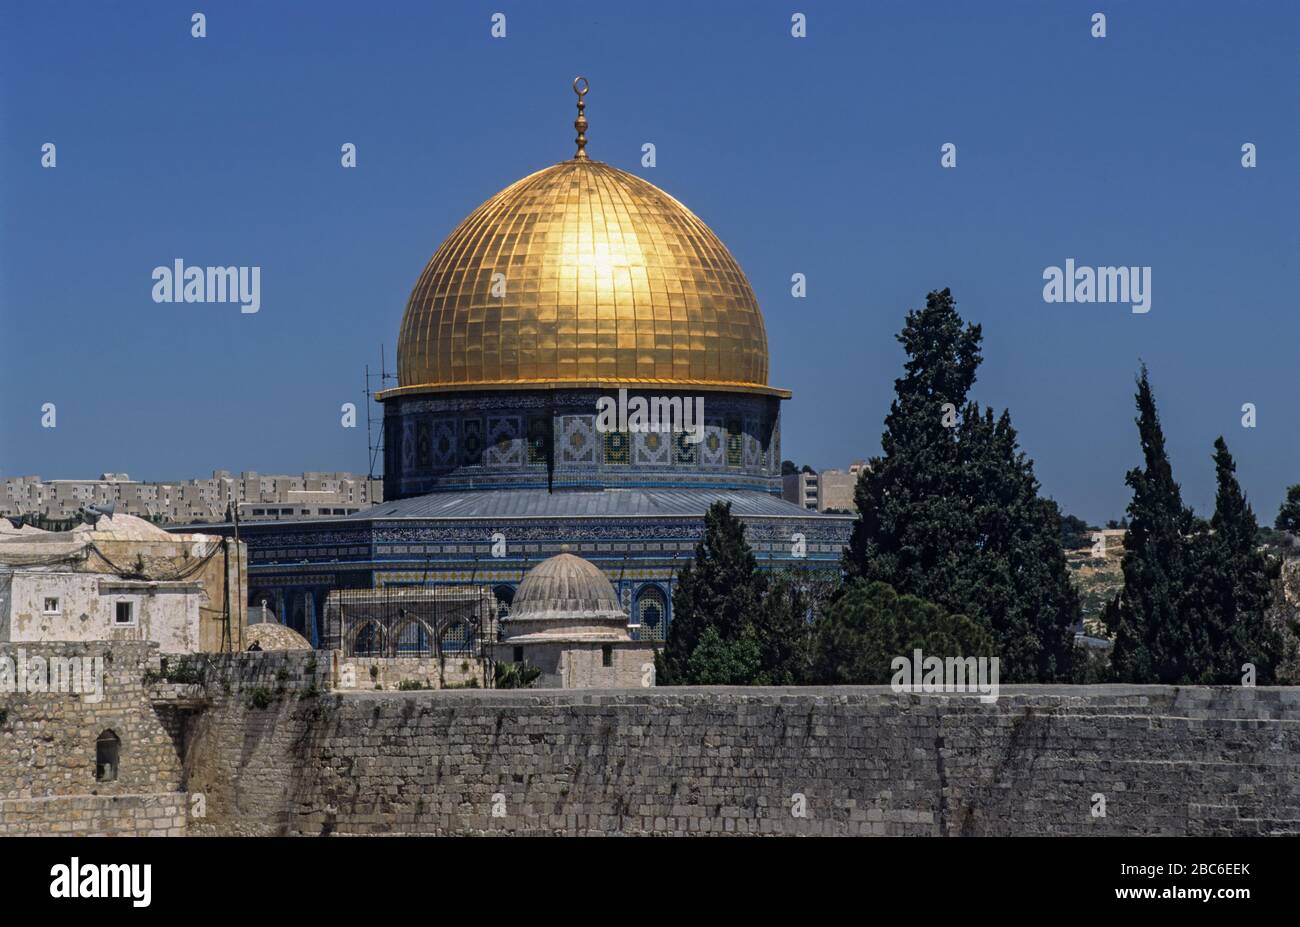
point(298, 618)
point(108, 749)
point(413, 639)
point(505, 596)
point(457, 636)
point(366, 642)
point(651, 611)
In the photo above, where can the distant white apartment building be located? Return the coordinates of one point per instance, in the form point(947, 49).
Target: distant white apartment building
point(800, 488)
point(259, 496)
point(830, 490)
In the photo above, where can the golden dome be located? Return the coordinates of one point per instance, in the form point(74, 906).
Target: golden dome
point(582, 275)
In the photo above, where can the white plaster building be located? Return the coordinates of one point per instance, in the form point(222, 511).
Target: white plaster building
point(123, 580)
point(64, 605)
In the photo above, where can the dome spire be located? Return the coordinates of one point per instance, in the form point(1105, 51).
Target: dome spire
point(581, 122)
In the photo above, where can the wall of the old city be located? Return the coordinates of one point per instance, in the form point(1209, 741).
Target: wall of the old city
point(47, 745)
point(269, 749)
point(1165, 760)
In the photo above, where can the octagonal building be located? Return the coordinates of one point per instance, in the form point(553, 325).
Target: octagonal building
point(578, 285)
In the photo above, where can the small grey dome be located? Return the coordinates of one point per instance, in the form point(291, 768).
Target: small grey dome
point(271, 635)
point(566, 594)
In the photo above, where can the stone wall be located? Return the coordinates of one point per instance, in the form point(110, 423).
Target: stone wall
point(156, 814)
point(270, 748)
point(47, 747)
point(276, 754)
point(456, 671)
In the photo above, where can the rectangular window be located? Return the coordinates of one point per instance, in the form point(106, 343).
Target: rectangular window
point(51, 605)
point(519, 655)
point(607, 655)
point(125, 613)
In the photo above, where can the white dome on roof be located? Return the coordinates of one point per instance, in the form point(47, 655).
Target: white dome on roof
point(566, 596)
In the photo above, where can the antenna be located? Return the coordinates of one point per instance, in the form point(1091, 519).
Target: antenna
point(375, 446)
point(93, 513)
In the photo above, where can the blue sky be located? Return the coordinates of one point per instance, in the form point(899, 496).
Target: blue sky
point(816, 155)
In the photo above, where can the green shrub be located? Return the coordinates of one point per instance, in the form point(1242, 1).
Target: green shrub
point(857, 639)
point(516, 675)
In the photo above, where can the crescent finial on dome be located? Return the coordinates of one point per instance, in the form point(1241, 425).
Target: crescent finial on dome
point(581, 122)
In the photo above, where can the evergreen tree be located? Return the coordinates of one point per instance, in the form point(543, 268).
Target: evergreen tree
point(857, 639)
point(714, 638)
point(1288, 516)
point(904, 498)
point(951, 513)
point(1235, 580)
point(784, 633)
point(1156, 638)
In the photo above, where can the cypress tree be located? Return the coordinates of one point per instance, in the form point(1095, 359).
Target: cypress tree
point(713, 638)
point(783, 631)
point(1236, 580)
point(1156, 639)
point(951, 513)
point(905, 498)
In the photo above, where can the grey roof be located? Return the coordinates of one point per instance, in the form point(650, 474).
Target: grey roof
point(566, 598)
point(608, 503)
